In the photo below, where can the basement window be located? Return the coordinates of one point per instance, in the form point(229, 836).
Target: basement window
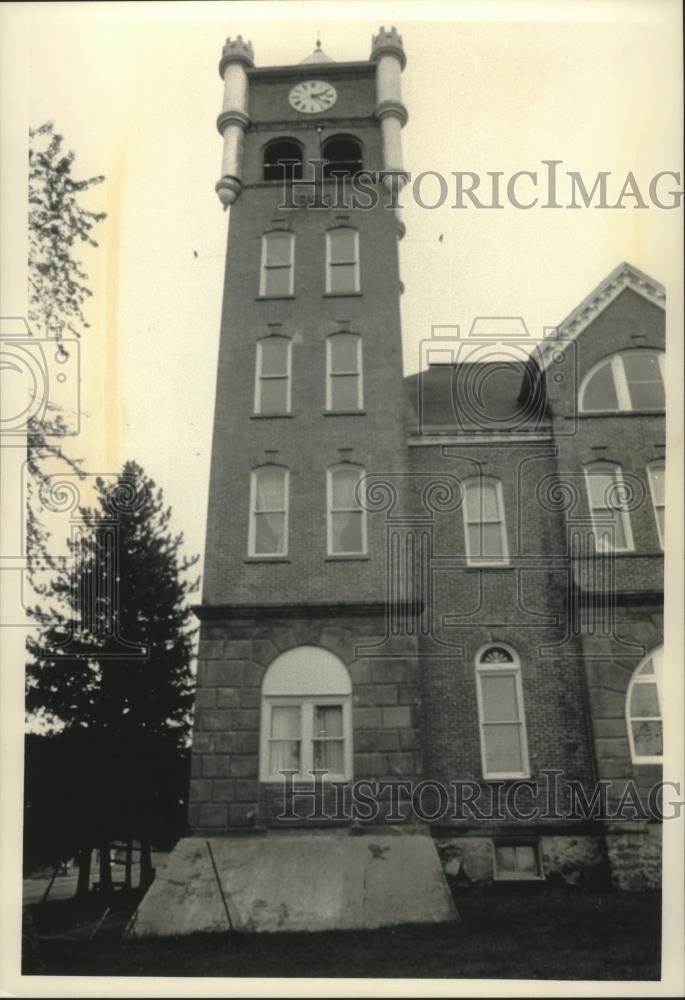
point(517, 862)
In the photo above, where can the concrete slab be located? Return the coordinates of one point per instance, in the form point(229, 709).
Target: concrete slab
point(296, 882)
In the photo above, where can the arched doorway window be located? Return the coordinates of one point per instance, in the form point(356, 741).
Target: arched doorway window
point(306, 716)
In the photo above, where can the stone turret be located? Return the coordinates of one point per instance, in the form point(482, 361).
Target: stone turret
point(388, 54)
point(236, 58)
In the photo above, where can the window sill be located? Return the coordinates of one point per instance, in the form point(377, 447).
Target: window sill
point(344, 413)
point(278, 781)
point(342, 295)
point(272, 298)
point(266, 559)
point(347, 557)
point(479, 566)
point(503, 779)
point(270, 416)
point(621, 413)
point(518, 878)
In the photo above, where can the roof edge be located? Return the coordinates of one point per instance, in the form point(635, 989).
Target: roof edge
point(625, 275)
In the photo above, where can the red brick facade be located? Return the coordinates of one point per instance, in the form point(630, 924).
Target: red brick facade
point(409, 617)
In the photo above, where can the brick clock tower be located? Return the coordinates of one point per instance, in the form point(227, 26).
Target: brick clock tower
point(309, 404)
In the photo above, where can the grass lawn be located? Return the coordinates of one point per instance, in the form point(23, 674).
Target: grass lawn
point(551, 934)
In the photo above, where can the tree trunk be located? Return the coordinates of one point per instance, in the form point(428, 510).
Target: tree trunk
point(83, 883)
point(129, 862)
point(147, 872)
point(105, 870)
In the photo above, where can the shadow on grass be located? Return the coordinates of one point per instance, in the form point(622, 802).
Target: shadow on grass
point(557, 934)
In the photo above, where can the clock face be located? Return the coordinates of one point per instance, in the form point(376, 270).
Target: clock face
point(312, 96)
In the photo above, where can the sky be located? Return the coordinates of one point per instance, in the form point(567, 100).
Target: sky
point(135, 90)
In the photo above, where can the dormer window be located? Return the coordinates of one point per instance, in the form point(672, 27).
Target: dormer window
point(283, 160)
point(344, 155)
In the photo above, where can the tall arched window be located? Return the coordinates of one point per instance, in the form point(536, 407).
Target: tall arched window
point(268, 531)
point(342, 261)
point(306, 716)
point(631, 380)
point(273, 373)
point(484, 523)
point(657, 487)
point(607, 502)
point(346, 514)
point(503, 741)
point(644, 712)
point(344, 372)
point(344, 155)
point(278, 259)
point(283, 160)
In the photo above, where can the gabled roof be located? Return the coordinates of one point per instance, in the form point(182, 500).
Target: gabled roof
point(622, 277)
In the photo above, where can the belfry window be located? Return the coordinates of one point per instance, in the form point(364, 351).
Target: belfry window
point(268, 532)
point(607, 499)
point(283, 161)
point(342, 261)
point(631, 380)
point(306, 716)
point(643, 711)
point(278, 257)
point(344, 156)
point(344, 372)
point(272, 383)
point(346, 515)
point(504, 747)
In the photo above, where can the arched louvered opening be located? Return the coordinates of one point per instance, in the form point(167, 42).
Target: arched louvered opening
point(283, 160)
point(344, 155)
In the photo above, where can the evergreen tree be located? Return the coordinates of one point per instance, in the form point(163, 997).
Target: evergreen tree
point(111, 664)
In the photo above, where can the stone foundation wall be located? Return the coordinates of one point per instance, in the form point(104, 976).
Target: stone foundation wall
point(634, 852)
point(234, 655)
point(571, 860)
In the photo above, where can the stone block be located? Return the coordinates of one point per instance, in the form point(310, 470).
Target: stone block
point(246, 766)
point(200, 791)
point(369, 765)
point(227, 697)
point(242, 814)
point(400, 718)
point(212, 814)
point(223, 790)
point(361, 672)
point(216, 766)
point(223, 673)
point(246, 718)
point(205, 697)
point(367, 718)
point(246, 790)
point(216, 719)
point(250, 697)
point(386, 694)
